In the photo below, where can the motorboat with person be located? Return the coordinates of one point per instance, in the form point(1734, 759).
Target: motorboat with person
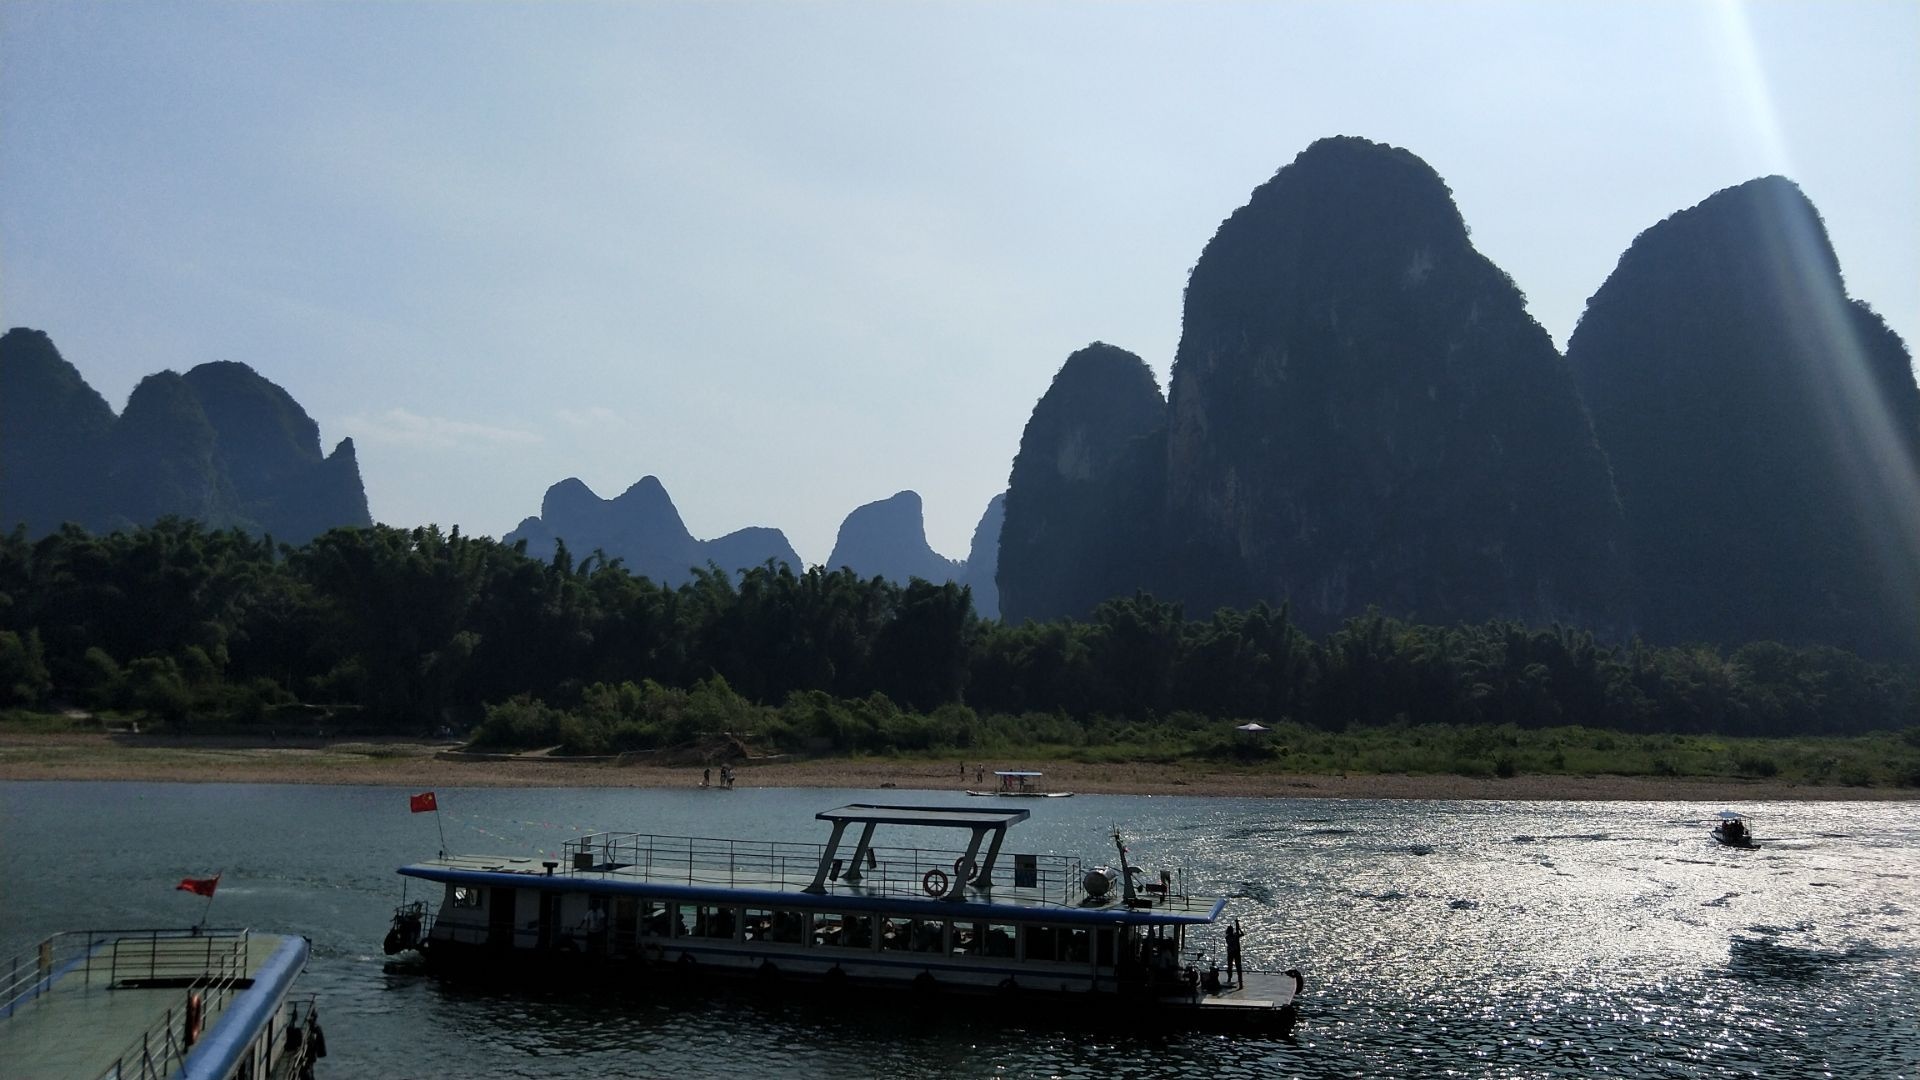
point(1733, 830)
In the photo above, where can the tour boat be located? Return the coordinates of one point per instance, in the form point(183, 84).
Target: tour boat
point(960, 925)
point(196, 1004)
point(1732, 830)
point(1021, 784)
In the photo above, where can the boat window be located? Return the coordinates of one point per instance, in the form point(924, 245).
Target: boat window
point(765, 924)
point(834, 930)
point(626, 920)
point(654, 918)
point(466, 896)
point(895, 933)
point(1059, 943)
point(705, 921)
point(984, 939)
point(927, 935)
point(913, 935)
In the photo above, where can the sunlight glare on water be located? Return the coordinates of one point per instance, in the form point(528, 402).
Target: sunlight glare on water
point(1437, 938)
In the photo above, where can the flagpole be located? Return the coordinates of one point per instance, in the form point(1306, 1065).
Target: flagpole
point(442, 826)
point(208, 910)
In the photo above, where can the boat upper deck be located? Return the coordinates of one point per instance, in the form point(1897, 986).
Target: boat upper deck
point(979, 881)
point(99, 1003)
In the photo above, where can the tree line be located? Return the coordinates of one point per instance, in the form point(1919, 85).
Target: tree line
point(387, 630)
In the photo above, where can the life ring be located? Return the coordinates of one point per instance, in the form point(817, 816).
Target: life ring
point(963, 868)
point(935, 882)
point(193, 1019)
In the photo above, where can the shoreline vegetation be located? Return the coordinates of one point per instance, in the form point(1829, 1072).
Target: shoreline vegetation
point(178, 652)
point(51, 755)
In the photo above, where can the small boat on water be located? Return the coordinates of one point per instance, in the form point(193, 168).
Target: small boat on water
point(1021, 784)
point(1047, 935)
point(1733, 830)
point(196, 1004)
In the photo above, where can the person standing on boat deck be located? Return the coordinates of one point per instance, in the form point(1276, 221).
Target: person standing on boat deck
point(1236, 973)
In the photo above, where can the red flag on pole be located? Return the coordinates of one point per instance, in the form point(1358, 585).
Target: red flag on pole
point(199, 886)
point(422, 802)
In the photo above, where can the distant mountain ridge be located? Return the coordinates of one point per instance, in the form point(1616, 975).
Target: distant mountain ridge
point(888, 538)
point(221, 445)
point(1362, 415)
point(643, 528)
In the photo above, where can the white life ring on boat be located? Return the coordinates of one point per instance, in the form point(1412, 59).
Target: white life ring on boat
point(934, 882)
point(963, 868)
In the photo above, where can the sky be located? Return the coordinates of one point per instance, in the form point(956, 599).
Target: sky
point(793, 258)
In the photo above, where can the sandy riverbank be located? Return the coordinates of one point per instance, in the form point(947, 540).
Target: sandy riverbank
point(409, 764)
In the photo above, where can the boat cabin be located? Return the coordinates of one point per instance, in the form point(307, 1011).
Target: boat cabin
point(974, 918)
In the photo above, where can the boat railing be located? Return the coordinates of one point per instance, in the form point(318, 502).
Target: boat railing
point(206, 966)
point(116, 957)
point(301, 1041)
point(887, 871)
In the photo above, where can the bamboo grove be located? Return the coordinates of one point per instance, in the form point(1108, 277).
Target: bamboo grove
point(385, 630)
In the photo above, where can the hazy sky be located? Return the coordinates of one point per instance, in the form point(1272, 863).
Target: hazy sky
point(792, 258)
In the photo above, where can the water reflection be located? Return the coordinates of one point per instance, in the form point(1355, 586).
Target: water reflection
point(1481, 939)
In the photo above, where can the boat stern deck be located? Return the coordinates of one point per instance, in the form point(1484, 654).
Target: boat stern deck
point(89, 1003)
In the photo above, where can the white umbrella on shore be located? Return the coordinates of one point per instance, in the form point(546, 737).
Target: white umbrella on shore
point(1251, 729)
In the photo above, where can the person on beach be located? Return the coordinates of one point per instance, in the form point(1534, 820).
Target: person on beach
point(1236, 973)
point(706, 777)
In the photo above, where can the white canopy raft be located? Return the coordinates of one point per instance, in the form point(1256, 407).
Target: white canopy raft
point(1021, 784)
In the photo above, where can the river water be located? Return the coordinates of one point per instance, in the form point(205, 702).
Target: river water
point(1438, 938)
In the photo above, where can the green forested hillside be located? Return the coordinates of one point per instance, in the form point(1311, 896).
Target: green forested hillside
point(408, 631)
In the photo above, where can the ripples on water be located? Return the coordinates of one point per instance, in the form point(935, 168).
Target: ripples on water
point(1470, 939)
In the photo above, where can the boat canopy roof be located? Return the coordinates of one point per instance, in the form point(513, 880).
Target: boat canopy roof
point(1016, 772)
point(941, 816)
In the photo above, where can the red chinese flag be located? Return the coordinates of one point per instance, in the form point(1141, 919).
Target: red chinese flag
point(423, 802)
point(199, 886)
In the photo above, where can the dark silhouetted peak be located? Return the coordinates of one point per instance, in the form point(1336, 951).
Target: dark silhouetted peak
point(52, 425)
point(1362, 413)
point(744, 549)
point(647, 500)
point(258, 420)
point(160, 459)
point(643, 529)
point(1764, 430)
point(983, 558)
point(269, 450)
point(41, 391)
point(220, 445)
point(570, 498)
point(335, 498)
point(1083, 496)
point(888, 539)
